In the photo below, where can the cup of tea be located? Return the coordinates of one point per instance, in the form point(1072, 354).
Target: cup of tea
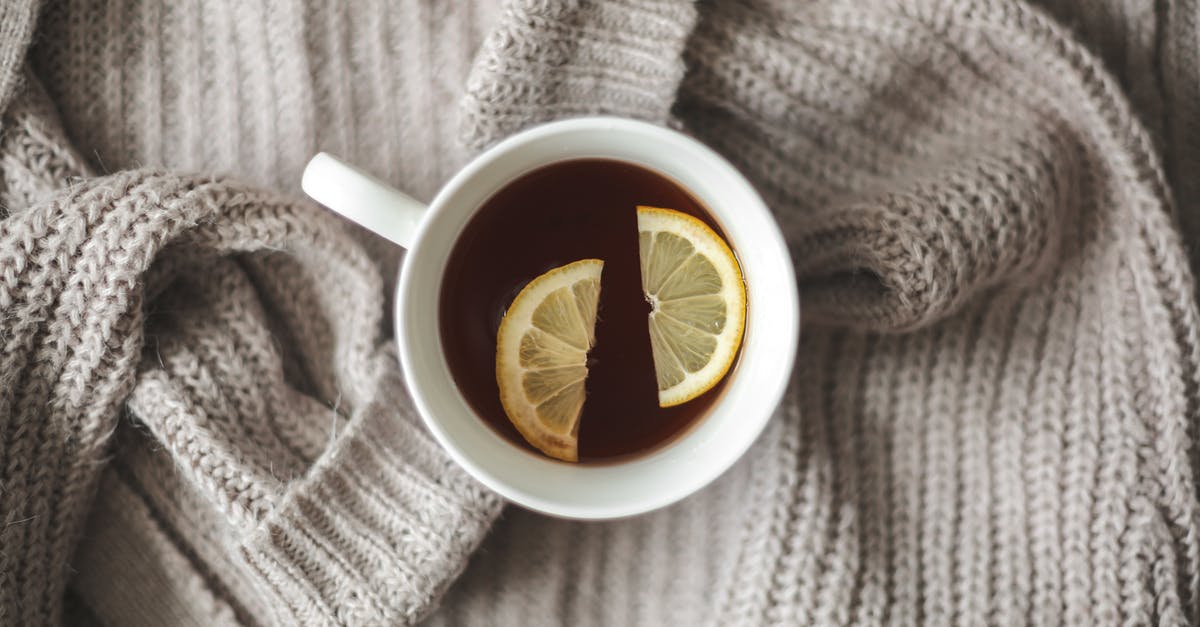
point(596, 317)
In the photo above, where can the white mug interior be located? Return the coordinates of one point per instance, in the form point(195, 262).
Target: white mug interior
point(707, 449)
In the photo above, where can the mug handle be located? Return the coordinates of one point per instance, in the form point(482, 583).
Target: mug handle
point(362, 198)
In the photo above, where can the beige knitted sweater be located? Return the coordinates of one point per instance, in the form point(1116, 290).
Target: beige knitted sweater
point(994, 411)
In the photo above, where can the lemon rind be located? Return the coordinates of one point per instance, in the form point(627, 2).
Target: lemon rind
point(708, 243)
point(516, 322)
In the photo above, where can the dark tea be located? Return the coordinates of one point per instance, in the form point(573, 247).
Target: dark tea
point(557, 214)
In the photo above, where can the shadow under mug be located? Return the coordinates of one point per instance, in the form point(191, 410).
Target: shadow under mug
point(582, 491)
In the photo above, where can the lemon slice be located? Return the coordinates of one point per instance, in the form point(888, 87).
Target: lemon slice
point(541, 355)
point(698, 302)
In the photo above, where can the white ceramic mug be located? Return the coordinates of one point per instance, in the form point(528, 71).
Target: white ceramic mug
point(430, 232)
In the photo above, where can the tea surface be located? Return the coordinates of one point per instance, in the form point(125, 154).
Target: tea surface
point(563, 212)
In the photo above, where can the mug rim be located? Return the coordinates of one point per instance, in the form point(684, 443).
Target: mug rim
point(417, 373)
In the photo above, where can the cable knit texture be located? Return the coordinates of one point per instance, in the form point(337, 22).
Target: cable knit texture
point(993, 416)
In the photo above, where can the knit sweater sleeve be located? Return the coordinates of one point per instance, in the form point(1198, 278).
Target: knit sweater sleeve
point(376, 530)
point(242, 332)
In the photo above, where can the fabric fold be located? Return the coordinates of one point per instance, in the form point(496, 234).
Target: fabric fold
point(905, 193)
point(920, 249)
point(552, 60)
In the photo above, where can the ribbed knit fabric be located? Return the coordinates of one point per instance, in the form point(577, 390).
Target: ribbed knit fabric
point(17, 18)
point(991, 422)
point(1128, 37)
point(1153, 49)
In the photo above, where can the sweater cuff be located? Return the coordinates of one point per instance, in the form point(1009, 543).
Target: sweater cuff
point(377, 530)
point(552, 60)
